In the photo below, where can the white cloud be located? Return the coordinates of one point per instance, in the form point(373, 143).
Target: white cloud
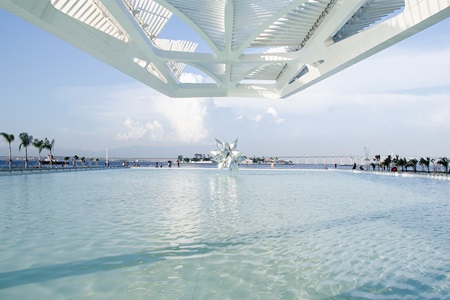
point(192, 78)
point(183, 119)
point(186, 118)
point(272, 111)
point(279, 121)
point(137, 130)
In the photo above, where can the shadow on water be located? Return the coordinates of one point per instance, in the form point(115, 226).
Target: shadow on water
point(102, 264)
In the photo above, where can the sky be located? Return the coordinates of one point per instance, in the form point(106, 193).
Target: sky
point(395, 102)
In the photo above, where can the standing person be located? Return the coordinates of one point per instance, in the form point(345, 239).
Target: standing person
point(178, 163)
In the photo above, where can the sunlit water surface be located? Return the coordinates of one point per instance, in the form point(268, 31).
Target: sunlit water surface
point(193, 234)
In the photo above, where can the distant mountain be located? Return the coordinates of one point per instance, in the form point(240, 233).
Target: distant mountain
point(140, 152)
point(158, 152)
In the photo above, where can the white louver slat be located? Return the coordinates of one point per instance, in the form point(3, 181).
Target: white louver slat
point(270, 72)
point(250, 15)
point(151, 16)
point(92, 13)
point(208, 15)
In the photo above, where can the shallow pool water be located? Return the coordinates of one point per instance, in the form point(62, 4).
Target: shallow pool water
point(192, 234)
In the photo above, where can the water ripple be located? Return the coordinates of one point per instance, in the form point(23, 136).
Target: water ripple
point(191, 234)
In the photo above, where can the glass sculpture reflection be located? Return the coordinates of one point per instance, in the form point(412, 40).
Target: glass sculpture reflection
point(227, 156)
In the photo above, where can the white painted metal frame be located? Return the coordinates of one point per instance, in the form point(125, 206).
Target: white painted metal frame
point(258, 48)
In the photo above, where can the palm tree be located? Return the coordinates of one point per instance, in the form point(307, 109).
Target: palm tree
point(387, 162)
point(96, 161)
point(39, 144)
point(26, 140)
point(83, 159)
point(66, 160)
point(49, 145)
point(444, 161)
point(75, 158)
point(428, 162)
point(425, 162)
point(401, 162)
point(9, 138)
point(377, 158)
point(412, 163)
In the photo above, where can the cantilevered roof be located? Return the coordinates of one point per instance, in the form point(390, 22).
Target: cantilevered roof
point(242, 48)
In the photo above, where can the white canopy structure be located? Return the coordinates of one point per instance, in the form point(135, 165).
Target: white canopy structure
point(242, 48)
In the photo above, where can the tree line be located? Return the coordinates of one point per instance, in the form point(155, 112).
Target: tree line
point(404, 163)
point(27, 140)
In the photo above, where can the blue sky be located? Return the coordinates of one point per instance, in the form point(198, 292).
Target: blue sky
point(396, 101)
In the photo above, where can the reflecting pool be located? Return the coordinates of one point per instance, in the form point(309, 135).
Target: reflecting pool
point(149, 233)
